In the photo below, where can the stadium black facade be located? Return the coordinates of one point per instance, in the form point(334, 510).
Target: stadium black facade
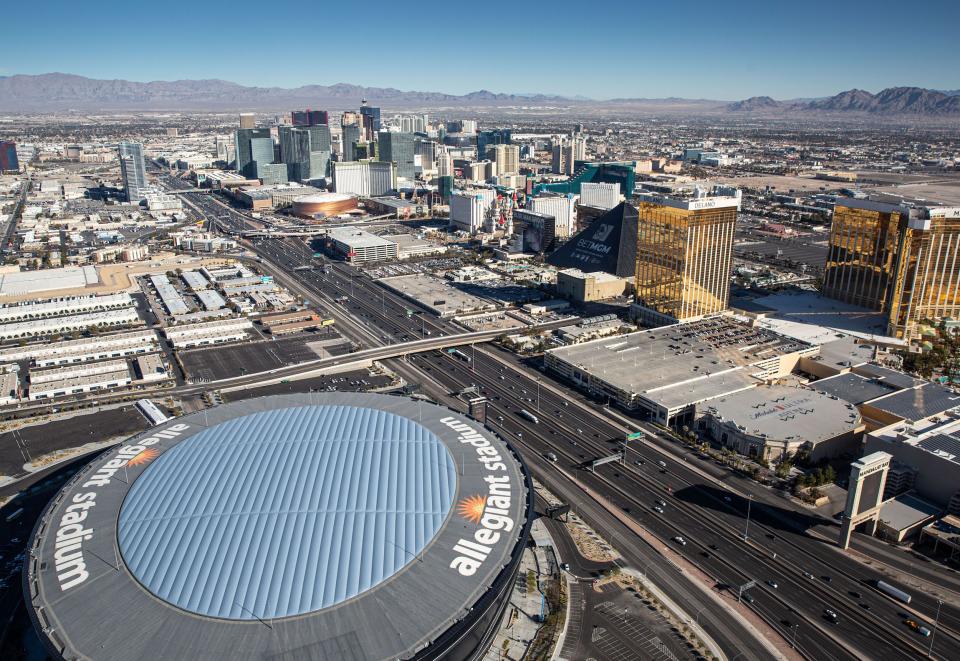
point(314, 526)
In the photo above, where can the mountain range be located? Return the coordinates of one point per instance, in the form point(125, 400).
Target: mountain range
point(891, 101)
point(61, 91)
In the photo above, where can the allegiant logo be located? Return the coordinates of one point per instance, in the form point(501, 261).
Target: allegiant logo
point(490, 511)
point(68, 557)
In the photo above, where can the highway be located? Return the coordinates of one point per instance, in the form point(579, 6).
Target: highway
point(809, 574)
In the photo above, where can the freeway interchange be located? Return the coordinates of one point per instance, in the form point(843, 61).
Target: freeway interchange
point(798, 576)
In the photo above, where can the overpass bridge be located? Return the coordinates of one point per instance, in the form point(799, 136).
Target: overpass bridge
point(321, 365)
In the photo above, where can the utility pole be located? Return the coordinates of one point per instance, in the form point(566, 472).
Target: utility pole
point(936, 623)
point(746, 530)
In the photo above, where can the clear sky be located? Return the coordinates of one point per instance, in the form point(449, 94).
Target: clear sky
point(599, 49)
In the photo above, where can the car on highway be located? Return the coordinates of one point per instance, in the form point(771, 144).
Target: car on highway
point(826, 579)
point(747, 597)
point(830, 614)
point(917, 627)
point(639, 462)
point(680, 540)
point(773, 584)
point(662, 503)
point(658, 509)
point(807, 574)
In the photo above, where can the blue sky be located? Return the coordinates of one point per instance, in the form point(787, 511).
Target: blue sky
point(632, 48)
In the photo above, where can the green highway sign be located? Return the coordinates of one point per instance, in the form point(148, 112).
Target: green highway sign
point(635, 436)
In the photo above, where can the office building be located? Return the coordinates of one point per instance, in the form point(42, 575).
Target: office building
point(898, 260)
point(684, 252)
point(8, 156)
point(253, 147)
point(506, 157)
point(349, 138)
point(566, 153)
point(133, 170)
point(247, 120)
point(494, 137)
point(309, 117)
point(363, 178)
point(398, 148)
point(305, 151)
point(370, 116)
point(444, 162)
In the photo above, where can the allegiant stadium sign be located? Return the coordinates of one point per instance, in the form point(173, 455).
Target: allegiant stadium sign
point(69, 562)
point(490, 511)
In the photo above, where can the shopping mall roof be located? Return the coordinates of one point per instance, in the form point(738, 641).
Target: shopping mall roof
point(293, 526)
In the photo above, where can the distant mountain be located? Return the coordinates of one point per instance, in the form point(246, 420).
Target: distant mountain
point(893, 101)
point(59, 91)
point(754, 103)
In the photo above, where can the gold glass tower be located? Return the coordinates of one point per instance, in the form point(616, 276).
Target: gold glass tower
point(897, 260)
point(684, 251)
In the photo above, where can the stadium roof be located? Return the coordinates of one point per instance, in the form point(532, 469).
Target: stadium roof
point(391, 487)
point(320, 526)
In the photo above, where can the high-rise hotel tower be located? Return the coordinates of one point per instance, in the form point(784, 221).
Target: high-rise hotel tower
point(684, 253)
point(899, 260)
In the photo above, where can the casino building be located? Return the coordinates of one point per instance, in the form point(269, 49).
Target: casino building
point(313, 526)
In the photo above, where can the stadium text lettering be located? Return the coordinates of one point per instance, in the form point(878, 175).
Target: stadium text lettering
point(495, 518)
point(68, 547)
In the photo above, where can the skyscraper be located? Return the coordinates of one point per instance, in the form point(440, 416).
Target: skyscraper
point(247, 120)
point(308, 117)
point(398, 148)
point(306, 151)
point(494, 137)
point(349, 137)
point(507, 158)
point(253, 146)
point(371, 116)
point(684, 253)
point(8, 156)
point(897, 260)
point(133, 171)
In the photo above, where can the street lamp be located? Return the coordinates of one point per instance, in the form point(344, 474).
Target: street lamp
point(935, 624)
point(746, 530)
point(793, 643)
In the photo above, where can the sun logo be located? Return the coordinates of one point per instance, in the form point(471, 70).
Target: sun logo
point(144, 457)
point(471, 508)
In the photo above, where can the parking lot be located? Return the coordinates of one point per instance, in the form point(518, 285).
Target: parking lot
point(23, 445)
point(352, 381)
point(213, 363)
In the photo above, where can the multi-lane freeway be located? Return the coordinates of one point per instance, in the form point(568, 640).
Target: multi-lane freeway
point(798, 576)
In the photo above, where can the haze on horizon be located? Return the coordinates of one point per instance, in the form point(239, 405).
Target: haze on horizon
point(600, 51)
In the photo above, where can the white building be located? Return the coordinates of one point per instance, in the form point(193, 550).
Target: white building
point(210, 332)
point(600, 195)
point(70, 323)
point(469, 209)
point(75, 351)
point(561, 207)
point(58, 307)
point(359, 246)
point(363, 178)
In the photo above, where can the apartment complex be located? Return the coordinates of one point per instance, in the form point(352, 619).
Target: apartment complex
point(898, 260)
point(684, 252)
